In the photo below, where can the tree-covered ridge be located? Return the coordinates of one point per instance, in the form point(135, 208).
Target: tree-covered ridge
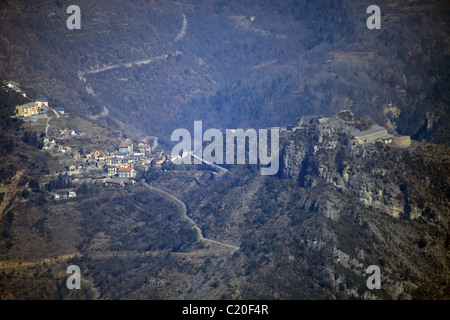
point(294, 58)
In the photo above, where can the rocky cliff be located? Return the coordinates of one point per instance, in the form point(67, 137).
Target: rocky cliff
point(323, 151)
point(382, 202)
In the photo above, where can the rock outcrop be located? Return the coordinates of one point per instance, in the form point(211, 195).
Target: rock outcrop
point(324, 151)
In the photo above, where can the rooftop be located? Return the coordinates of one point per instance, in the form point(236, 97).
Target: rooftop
point(28, 105)
point(374, 129)
point(125, 144)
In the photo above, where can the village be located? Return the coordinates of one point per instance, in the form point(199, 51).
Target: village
point(119, 167)
point(81, 162)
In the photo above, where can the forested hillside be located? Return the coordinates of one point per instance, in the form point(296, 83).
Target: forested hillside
point(218, 65)
point(146, 67)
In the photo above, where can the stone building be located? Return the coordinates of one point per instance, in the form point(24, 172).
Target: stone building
point(374, 133)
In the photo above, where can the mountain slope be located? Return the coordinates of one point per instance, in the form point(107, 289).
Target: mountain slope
point(343, 207)
point(294, 58)
point(147, 67)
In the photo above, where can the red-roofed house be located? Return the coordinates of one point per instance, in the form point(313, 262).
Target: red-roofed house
point(127, 173)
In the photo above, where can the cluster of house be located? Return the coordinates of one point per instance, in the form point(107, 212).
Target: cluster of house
point(121, 165)
point(52, 144)
point(129, 157)
point(66, 195)
point(63, 133)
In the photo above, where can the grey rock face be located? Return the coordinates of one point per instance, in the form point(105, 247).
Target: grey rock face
point(321, 151)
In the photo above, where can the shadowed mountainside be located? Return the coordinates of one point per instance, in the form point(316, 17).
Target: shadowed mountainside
point(292, 58)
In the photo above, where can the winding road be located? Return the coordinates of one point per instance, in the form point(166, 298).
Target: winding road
point(182, 32)
point(178, 37)
point(182, 205)
point(104, 113)
point(81, 75)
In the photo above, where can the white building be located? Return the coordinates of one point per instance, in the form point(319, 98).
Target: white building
point(371, 135)
point(126, 146)
point(127, 173)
